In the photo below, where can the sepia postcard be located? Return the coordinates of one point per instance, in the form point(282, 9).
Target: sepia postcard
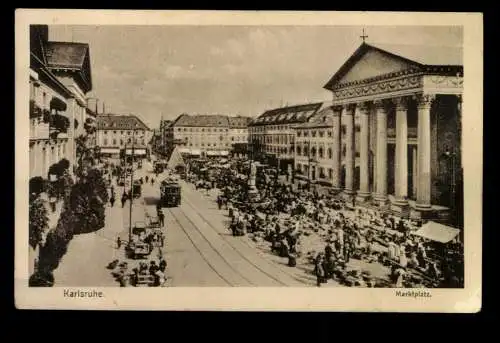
point(248, 161)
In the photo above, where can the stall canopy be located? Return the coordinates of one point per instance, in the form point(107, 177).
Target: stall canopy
point(175, 159)
point(195, 152)
point(184, 150)
point(136, 151)
point(437, 232)
point(217, 153)
point(110, 150)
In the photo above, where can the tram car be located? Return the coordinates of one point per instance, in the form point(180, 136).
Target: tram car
point(170, 194)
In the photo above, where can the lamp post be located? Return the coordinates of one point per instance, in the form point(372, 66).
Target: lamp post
point(131, 186)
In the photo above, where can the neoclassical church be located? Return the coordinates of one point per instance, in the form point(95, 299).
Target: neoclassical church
point(408, 103)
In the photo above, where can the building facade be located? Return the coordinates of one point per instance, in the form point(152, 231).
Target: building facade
point(238, 135)
point(408, 99)
point(57, 104)
point(118, 134)
point(272, 135)
point(314, 150)
point(206, 135)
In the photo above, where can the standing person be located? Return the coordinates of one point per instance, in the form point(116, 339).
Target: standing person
point(319, 270)
point(124, 199)
point(152, 181)
point(118, 243)
point(112, 200)
point(147, 179)
point(161, 218)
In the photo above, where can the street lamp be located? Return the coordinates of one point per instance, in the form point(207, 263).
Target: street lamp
point(131, 186)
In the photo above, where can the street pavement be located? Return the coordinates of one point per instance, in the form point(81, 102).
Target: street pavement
point(199, 248)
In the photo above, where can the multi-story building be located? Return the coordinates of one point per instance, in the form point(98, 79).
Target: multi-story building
point(408, 99)
point(272, 135)
point(206, 135)
point(119, 134)
point(315, 151)
point(164, 132)
point(238, 135)
point(59, 79)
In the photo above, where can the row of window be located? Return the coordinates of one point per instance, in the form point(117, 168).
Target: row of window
point(197, 129)
point(208, 144)
point(321, 171)
point(129, 132)
point(269, 128)
point(305, 152)
point(122, 142)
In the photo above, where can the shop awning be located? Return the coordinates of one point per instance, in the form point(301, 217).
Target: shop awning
point(184, 151)
point(136, 152)
point(110, 150)
point(437, 232)
point(195, 152)
point(217, 153)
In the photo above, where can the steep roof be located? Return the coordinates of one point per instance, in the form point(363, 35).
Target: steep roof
point(418, 57)
point(239, 122)
point(73, 56)
point(322, 118)
point(215, 120)
point(287, 115)
point(120, 122)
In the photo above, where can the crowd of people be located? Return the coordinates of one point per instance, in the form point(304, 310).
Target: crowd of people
point(290, 220)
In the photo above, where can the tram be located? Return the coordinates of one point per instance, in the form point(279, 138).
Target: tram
point(170, 194)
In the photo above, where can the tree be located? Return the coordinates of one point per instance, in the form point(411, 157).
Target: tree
point(87, 201)
point(36, 185)
point(38, 222)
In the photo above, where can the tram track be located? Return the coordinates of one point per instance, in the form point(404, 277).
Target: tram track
point(226, 278)
point(263, 258)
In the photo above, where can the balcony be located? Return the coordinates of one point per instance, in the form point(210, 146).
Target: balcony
point(39, 129)
point(412, 132)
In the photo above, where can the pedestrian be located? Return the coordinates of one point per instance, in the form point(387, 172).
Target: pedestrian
point(124, 199)
point(163, 265)
point(147, 179)
point(118, 242)
point(112, 200)
point(161, 217)
point(152, 181)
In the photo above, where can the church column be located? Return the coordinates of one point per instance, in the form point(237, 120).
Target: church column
point(401, 163)
point(336, 165)
point(350, 154)
point(424, 151)
point(381, 153)
point(364, 185)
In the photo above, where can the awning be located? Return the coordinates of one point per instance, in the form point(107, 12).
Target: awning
point(195, 152)
point(184, 151)
point(136, 152)
point(437, 232)
point(217, 153)
point(110, 150)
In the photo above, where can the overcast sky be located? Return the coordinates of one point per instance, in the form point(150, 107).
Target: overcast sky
point(236, 70)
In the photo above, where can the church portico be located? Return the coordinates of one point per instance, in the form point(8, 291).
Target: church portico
point(409, 133)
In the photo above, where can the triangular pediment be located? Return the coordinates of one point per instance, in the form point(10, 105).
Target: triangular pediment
point(369, 62)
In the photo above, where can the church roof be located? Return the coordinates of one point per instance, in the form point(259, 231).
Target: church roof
point(415, 57)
